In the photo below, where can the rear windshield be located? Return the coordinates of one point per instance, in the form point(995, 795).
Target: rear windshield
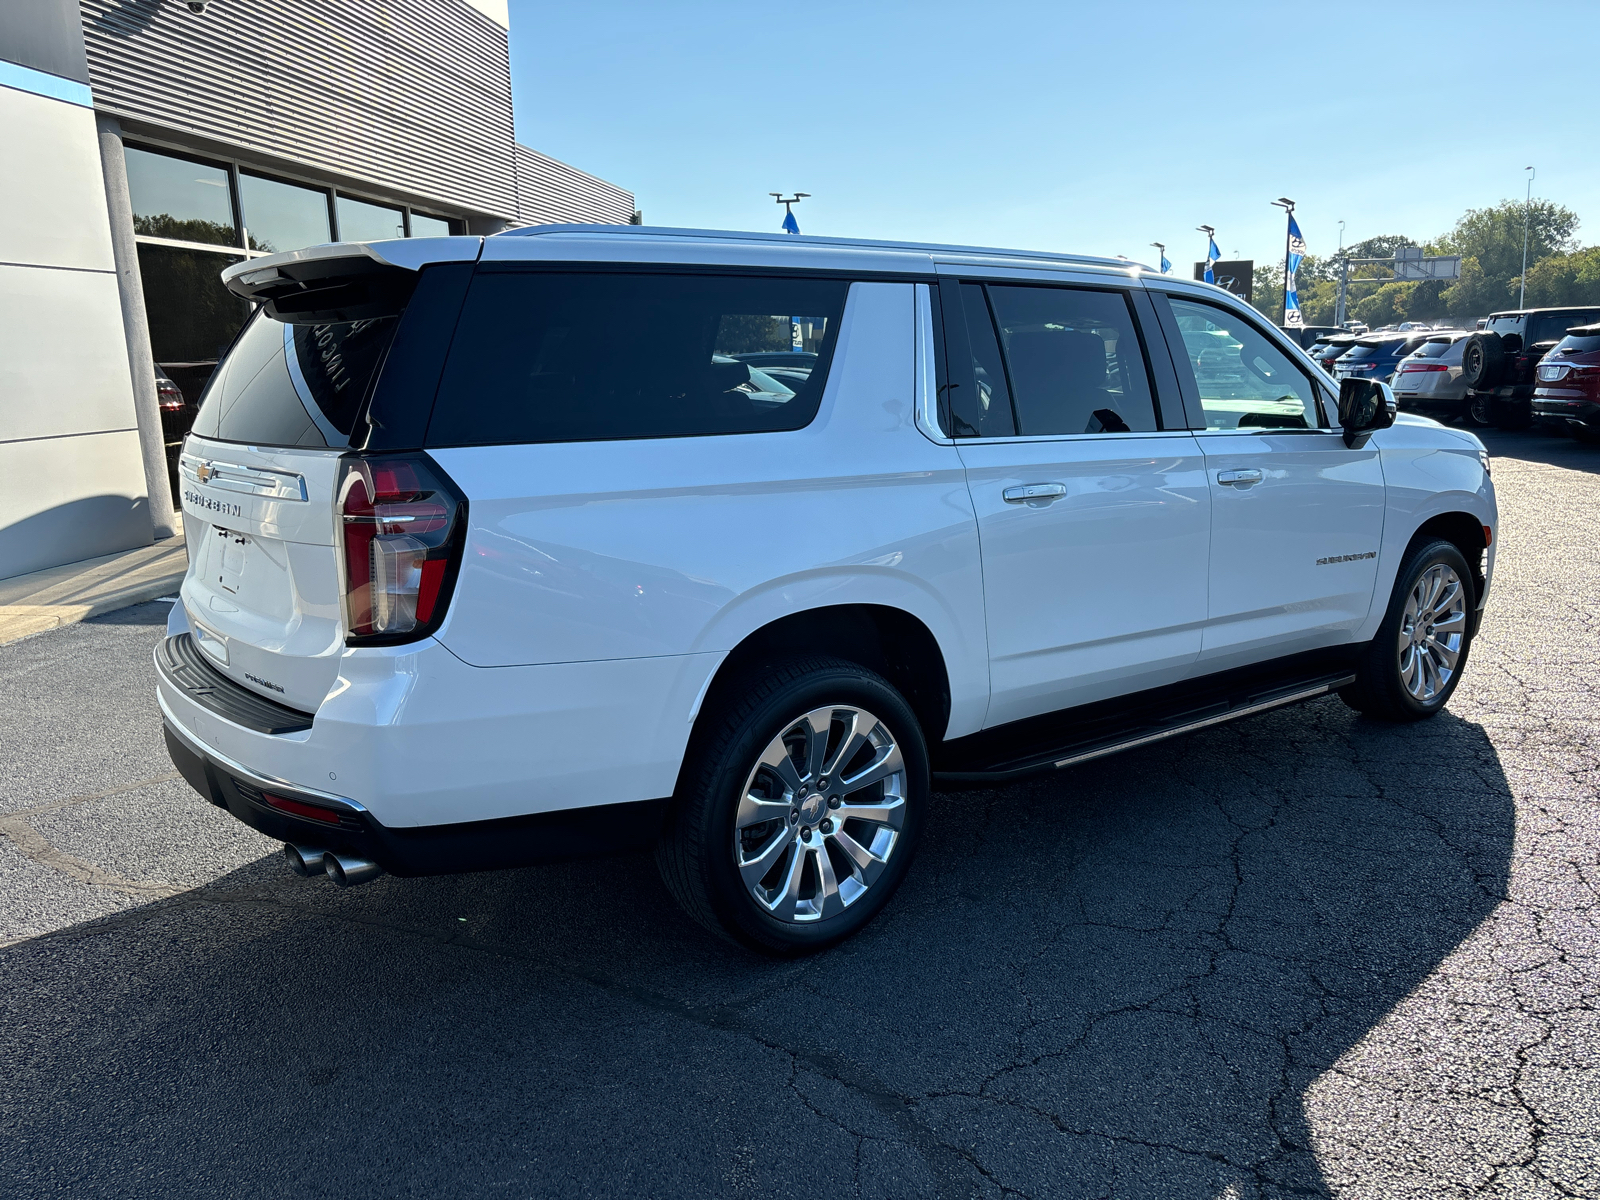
point(1359, 351)
point(293, 385)
point(1434, 349)
point(558, 357)
point(1572, 344)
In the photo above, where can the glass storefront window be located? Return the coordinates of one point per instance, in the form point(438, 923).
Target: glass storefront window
point(282, 216)
point(192, 315)
point(363, 222)
point(179, 198)
point(424, 226)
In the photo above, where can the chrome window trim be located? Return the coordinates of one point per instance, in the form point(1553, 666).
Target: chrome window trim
point(927, 384)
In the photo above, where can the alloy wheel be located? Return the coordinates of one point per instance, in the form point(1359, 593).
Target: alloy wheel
point(1432, 632)
point(820, 814)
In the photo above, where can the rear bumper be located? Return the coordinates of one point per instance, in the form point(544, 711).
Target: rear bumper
point(412, 737)
point(1584, 411)
point(347, 828)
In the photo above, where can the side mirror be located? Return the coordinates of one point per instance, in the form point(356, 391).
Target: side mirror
point(1364, 406)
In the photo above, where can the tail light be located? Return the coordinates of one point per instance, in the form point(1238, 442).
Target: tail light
point(402, 525)
point(1422, 367)
point(168, 395)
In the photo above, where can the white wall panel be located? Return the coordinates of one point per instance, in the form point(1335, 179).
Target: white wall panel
point(52, 195)
point(66, 499)
point(63, 355)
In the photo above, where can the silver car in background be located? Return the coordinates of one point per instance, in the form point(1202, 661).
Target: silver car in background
point(1429, 380)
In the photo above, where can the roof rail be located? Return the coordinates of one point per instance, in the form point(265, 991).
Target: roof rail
point(809, 239)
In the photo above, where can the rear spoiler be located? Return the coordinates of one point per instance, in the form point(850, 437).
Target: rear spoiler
point(343, 281)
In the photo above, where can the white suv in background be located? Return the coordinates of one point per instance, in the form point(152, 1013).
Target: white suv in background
point(580, 537)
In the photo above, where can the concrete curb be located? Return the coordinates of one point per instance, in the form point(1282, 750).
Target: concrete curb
point(19, 620)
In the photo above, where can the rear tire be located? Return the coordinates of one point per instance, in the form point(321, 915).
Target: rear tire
point(1412, 665)
point(1479, 409)
point(774, 841)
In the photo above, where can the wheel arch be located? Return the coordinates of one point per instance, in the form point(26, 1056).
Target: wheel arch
point(893, 642)
point(1464, 531)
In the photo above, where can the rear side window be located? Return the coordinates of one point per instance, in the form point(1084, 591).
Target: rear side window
point(1075, 362)
point(566, 357)
point(1552, 328)
point(293, 385)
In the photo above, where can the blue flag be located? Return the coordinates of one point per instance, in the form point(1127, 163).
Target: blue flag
point(1166, 267)
point(790, 225)
point(1291, 293)
point(1212, 255)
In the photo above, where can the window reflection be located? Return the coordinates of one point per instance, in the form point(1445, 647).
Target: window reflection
point(179, 198)
point(282, 216)
point(424, 226)
point(363, 222)
point(192, 315)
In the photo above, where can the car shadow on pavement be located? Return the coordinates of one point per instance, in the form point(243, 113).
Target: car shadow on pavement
point(1541, 446)
point(1115, 981)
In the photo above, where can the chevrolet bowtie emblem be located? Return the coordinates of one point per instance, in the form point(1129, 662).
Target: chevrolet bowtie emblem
point(204, 472)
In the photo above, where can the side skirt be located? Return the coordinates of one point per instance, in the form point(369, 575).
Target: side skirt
point(1077, 735)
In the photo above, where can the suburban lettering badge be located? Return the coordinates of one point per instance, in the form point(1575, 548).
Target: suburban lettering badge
point(1338, 558)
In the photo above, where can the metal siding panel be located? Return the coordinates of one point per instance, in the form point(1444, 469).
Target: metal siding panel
point(409, 94)
point(552, 192)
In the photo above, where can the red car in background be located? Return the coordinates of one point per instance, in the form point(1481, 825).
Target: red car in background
point(1567, 388)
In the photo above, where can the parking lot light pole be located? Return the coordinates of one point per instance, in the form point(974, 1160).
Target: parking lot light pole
point(1527, 204)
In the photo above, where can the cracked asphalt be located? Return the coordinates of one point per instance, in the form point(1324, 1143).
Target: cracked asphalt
point(1302, 955)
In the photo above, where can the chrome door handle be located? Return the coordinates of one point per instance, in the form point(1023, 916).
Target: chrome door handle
point(1246, 477)
point(1034, 491)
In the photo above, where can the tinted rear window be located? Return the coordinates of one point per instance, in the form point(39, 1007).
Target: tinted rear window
point(1359, 352)
point(293, 385)
point(564, 357)
point(1434, 349)
point(1552, 328)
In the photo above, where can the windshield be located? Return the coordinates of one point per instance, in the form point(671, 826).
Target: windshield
point(293, 385)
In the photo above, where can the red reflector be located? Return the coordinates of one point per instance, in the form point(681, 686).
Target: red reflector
point(428, 591)
point(310, 811)
point(1488, 537)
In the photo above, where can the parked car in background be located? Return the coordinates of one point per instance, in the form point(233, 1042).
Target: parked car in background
point(1429, 380)
point(1499, 359)
point(1307, 336)
point(1567, 394)
point(1327, 350)
point(1376, 355)
point(177, 416)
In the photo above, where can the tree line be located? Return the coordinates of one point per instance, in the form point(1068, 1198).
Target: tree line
point(1489, 241)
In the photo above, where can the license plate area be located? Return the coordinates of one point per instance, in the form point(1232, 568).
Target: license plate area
point(233, 551)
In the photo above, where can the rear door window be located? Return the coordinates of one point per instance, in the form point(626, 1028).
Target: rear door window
point(294, 385)
point(1074, 360)
point(1548, 328)
point(565, 357)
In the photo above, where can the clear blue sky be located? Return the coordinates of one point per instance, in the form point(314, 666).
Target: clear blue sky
point(1091, 127)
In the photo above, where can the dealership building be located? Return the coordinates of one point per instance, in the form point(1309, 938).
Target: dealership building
point(148, 145)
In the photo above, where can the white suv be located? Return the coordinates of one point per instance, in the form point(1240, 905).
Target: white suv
point(582, 537)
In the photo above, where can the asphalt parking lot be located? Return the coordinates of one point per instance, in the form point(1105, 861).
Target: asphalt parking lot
point(1301, 955)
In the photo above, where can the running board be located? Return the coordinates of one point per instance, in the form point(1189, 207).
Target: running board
point(1069, 755)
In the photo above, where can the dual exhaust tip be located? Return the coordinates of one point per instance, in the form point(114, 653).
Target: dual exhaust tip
point(344, 869)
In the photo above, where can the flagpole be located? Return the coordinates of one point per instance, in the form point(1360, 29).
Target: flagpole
point(1287, 205)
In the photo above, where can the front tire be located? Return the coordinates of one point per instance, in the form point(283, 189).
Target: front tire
point(1413, 664)
point(799, 807)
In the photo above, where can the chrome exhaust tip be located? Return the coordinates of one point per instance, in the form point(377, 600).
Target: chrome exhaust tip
point(347, 871)
point(305, 861)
